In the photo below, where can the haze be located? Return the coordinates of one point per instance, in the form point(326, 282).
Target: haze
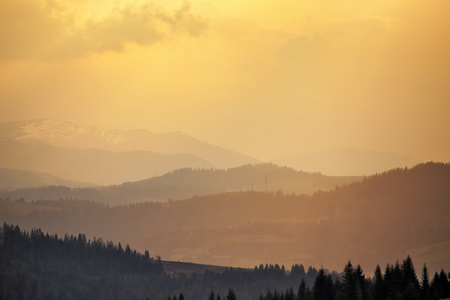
point(265, 78)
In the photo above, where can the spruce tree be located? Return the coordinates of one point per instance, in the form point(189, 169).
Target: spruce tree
point(301, 294)
point(349, 290)
point(360, 281)
point(289, 294)
point(379, 292)
point(444, 284)
point(323, 286)
point(319, 286)
point(425, 285)
point(231, 295)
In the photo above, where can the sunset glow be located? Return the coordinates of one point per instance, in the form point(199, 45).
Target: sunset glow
point(265, 78)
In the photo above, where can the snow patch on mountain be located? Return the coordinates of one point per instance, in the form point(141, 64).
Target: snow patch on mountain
point(53, 131)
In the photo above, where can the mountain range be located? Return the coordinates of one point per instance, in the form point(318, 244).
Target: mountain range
point(81, 136)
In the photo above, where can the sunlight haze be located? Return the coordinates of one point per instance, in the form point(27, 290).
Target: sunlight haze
point(264, 78)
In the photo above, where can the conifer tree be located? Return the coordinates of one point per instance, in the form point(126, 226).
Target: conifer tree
point(360, 281)
point(301, 294)
point(323, 286)
point(319, 285)
point(444, 284)
point(349, 286)
point(425, 284)
point(289, 294)
point(231, 295)
point(379, 291)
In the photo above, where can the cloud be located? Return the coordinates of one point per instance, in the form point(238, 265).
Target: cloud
point(51, 29)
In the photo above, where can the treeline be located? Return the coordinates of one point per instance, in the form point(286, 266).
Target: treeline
point(398, 281)
point(34, 265)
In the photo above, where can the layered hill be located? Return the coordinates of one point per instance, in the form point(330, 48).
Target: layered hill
point(378, 220)
point(187, 182)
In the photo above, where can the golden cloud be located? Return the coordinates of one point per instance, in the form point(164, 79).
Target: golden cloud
point(58, 29)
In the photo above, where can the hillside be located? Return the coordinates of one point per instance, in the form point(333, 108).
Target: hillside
point(188, 182)
point(82, 136)
point(378, 220)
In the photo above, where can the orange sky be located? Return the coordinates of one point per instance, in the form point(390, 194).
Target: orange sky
point(262, 77)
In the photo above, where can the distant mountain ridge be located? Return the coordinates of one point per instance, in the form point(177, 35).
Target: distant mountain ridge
point(81, 136)
point(187, 182)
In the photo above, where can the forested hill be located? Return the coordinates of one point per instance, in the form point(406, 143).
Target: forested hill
point(187, 182)
point(399, 212)
point(378, 220)
point(36, 265)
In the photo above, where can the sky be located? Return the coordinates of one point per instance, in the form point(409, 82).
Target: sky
point(263, 77)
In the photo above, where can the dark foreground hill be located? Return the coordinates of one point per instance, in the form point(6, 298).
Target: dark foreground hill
point(34, 265)
point(187, 182)
point(378, 220)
